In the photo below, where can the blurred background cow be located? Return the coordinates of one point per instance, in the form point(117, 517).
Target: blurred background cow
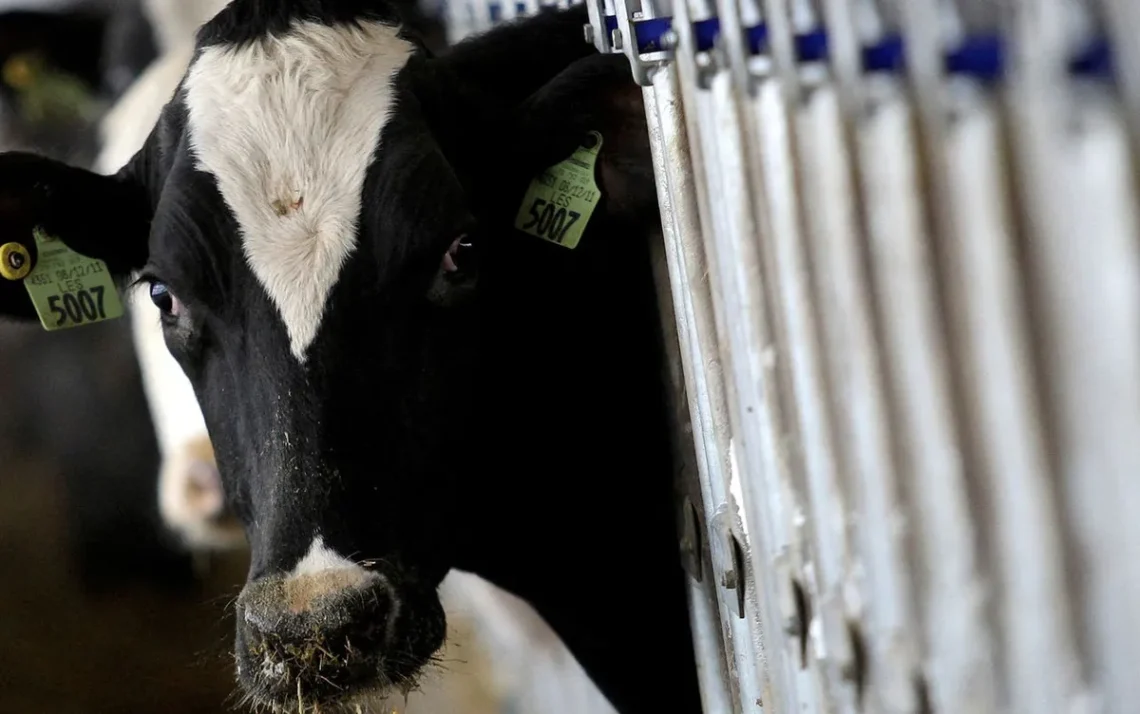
point(117, 557)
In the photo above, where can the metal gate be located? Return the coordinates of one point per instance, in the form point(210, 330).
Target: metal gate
point(902, 250)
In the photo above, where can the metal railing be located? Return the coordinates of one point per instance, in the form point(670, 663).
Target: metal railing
point(902, 258)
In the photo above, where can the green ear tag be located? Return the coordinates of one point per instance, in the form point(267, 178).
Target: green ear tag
point(558, 204)
point(69, 289)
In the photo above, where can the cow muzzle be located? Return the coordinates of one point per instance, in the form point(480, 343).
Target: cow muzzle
point(335, 635)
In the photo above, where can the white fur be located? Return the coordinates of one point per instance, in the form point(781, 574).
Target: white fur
point(320, 558)
point(288, 127)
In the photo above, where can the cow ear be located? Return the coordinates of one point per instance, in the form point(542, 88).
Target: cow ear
point(594, 93)
point(104, 217)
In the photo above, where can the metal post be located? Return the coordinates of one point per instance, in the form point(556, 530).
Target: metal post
point(1081, 247)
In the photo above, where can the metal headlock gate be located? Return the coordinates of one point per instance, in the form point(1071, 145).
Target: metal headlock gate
point(901, 253)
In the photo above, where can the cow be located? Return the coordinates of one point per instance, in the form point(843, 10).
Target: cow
point(397, 381)
point(493, 633)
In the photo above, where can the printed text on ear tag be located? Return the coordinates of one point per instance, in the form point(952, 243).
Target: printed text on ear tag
point(559, 203)
point(69, 289)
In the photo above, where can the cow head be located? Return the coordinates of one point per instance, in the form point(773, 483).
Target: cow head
point(292, 216)
point(299, 312)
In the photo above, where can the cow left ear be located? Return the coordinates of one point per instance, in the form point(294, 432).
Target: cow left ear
point(98, 216)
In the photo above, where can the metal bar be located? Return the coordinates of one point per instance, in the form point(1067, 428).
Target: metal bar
point(677, 194)
point(959, 649)
point(1015, 504)
point(834, 120)
point(1122, 18)
point(702, 144)
point(1074, 180)
point(748, 507)
point(1001, 409)
point(718, 688)
point(771, 89)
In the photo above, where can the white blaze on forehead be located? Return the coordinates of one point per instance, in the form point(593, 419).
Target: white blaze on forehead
point(288, 126)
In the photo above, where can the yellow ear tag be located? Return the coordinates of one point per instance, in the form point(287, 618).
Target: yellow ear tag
point(69, 289)
point(560, 201)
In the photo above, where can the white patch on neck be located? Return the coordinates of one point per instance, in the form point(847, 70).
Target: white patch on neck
point(288, 126)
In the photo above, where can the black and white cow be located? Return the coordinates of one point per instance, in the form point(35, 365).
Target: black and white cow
point(380, 417)
point(498, 651)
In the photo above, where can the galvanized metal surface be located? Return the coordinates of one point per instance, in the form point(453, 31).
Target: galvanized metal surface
point(901, 246)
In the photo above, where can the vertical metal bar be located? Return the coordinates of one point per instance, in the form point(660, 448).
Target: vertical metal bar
point(757, 494)
point(715, 697)
point(678, 209)
point(682, 238)
point(1082, 248)
point(763, 490)
point(919, 421)
point(773, 495)
point(999, 409)
point(596, 11)
point(773, 101)
point(718, 688)
point(959, 651)
point(708, 430)
point(835, 114)
point(1123, 23)
point(702, 134)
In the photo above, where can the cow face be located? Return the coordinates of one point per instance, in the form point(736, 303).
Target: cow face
point(287, 216)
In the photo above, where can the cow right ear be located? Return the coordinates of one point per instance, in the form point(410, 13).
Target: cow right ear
point(103, 217)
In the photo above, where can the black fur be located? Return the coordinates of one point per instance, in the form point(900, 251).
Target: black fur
point(520, 434)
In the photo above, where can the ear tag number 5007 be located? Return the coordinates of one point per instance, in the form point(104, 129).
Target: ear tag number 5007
point(559, 203)
point(69, 289)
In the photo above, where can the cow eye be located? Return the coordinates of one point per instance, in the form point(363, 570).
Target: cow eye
point(164, 300)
